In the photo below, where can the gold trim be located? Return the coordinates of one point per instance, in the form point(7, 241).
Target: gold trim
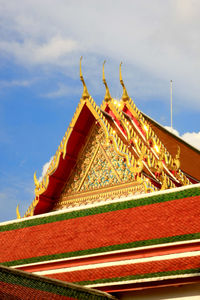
point(90, 164)
point(150, 134)
point(118, 115)
point(95, 110)
point(109, 162)
point(30, 210)
point(111, 192)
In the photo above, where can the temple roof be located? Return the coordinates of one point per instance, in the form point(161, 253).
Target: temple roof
point(141, 239)
point(151, 154)
point(16, 284)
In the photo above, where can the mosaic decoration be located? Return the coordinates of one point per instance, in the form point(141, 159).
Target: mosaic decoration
point(98, 167)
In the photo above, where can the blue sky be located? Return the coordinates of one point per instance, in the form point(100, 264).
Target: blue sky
point(40, 46)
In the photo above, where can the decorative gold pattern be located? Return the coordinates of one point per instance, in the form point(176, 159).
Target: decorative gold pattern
point(30, 210)
point(90, 162)
point(118, 114)
point(158, 158)
point(99, 169)
point(103, 194)
point(99, 165)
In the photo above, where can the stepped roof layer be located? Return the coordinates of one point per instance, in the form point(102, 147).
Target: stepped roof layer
point(15, 284)
point(131, 241)
point(188, 152)
point(110, 152)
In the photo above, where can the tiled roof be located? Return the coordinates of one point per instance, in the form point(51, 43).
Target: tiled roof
point(15, 284)
point(67, 243)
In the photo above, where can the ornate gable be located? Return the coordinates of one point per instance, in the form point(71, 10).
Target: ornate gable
point(107, 153)
point(100, 174)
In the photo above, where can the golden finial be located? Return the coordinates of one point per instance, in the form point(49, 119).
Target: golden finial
point(85, 94)
point(125, 95)
point(17, 212)
point(107, 95)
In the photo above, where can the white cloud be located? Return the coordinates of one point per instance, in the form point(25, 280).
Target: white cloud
point(54, 49)
point(62, 90)
point(44, 169)
point(33, 52)
point(172, 130)
point(5, 83)
point(158, 40)
point(192, 138)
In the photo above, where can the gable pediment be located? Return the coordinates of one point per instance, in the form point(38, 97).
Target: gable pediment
point(100, 174)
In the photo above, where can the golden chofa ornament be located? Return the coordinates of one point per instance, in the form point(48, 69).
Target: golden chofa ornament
point(125, 95)
point(107, 95)
point(85, 94)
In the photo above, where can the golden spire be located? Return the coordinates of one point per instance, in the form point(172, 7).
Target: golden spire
point(125, 95)
point(107, 95)
point(85, 94)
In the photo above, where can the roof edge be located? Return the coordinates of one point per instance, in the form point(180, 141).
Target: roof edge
point(171, 133)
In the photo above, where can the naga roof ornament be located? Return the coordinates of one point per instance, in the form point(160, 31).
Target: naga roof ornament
point(107, 95)
point(125, 95)
point(85, 94)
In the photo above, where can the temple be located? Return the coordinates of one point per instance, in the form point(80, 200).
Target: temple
point(118, 208)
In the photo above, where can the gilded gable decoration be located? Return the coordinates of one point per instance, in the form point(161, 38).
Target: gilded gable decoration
point(99, 169)
point(145, 136)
